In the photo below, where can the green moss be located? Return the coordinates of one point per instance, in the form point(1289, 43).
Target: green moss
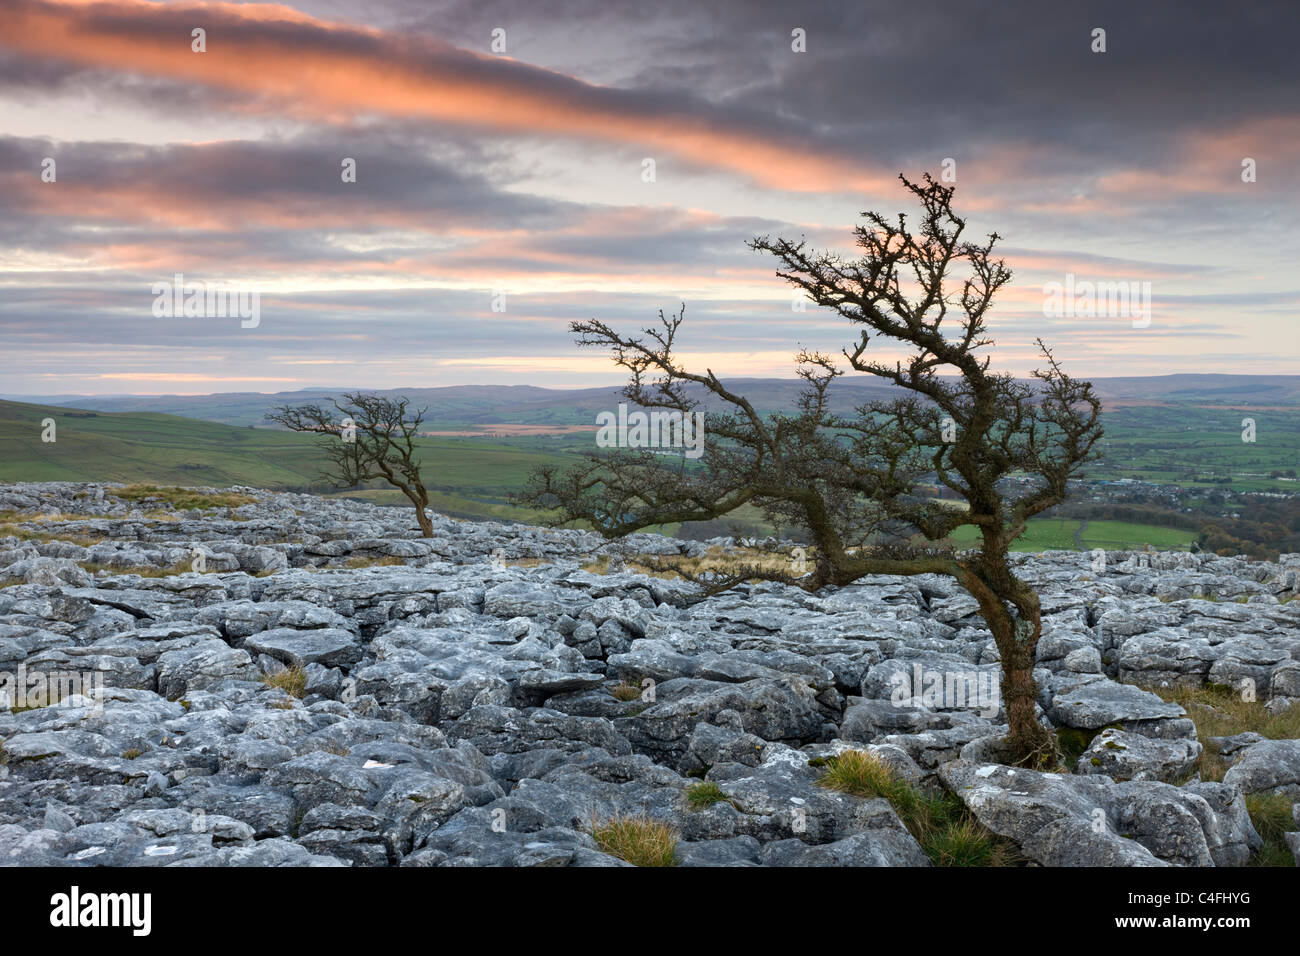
point(1074, 741)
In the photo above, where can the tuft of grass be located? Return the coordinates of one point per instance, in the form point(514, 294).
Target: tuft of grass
point(132, 753)
point(182, 499)
point(701, 796)
point(386, 561)
point(143, 570)
point(738, 560)
point(11, 526)
point(625, 691)
point(962, 843)
point(44, 702)
point(1271, 815)
point(637, 839)
point(949, 834)
point(862, 774)
point(1212, 765)
point(291, 680)
point(1218, 710)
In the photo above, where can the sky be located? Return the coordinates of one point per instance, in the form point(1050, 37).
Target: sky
point(503, 152)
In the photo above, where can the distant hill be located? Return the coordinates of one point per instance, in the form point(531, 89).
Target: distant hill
point(469, 406)
point(1210, 388)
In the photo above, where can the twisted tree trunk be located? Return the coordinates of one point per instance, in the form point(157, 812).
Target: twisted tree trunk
point(1013, 614)
point(420, 498)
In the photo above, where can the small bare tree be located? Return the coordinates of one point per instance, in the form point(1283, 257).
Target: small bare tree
point(369, 437)
point(857, 483)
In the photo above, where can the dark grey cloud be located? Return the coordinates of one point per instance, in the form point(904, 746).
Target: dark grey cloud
point(895, 78)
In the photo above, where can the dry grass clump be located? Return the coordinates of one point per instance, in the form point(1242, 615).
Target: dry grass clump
point(182, 499)
point(525, 562)
point(624, 691)
point(143, 570)
point(637, 839)
point(11, 526)
point(716, 561)
point(291, 680)
point(386, 561)
point(1219, 711)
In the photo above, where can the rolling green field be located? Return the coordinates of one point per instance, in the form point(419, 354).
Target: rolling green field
point(148, 447)
point(1193, 446)
point(1059, 534)
point(1125, 534)
point(465, 477)
point(473, 477)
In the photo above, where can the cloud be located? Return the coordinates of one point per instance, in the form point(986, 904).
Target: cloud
point(479, 172)
point(329, 71)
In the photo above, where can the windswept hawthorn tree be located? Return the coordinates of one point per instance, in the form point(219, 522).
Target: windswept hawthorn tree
point(367, 437)
point(856, 481)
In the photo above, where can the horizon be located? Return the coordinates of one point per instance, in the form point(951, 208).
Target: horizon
point(516, 168)
point(859, 379)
